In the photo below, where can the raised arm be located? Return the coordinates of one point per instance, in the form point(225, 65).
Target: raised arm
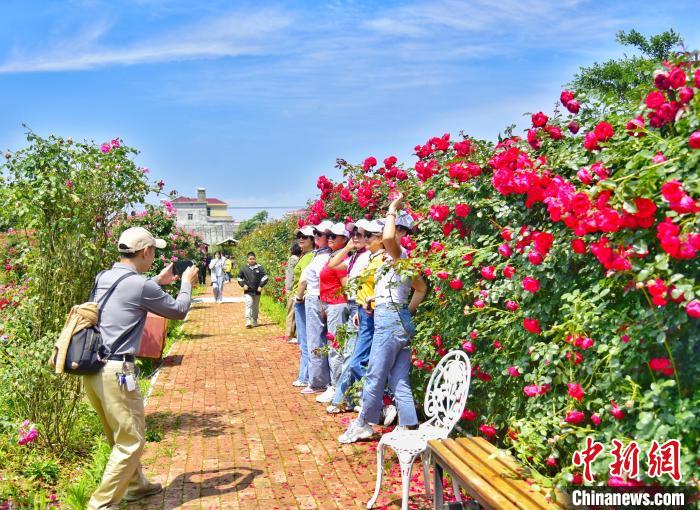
point(340, 258)
point(391, 245)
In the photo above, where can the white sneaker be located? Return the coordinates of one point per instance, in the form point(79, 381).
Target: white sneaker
point(389, 413)
point(299, 384)
point(357, 409)
point(331, 409)
point(327, 396)
point(356, 432)
point(292, 341)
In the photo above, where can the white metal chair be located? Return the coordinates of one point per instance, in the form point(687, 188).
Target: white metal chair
point(445, 399)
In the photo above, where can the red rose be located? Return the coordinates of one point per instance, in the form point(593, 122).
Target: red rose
point(506, 234)
point(456, 284)
point(655, 99)
point(504, 250)
point(539, 119)
point(565, 97)
point(469, 347)
point(389, 162)
point(535, 258)
point(574, 127)
point(488, 430)
point(662, 365)
point(693, 309)
point(479, 303)
point(617, 413)
point(532, 325)
point(661, 80)
point(462, 210)
point(468, 415)
point(578, 245)
point(531, 390)
point(439, 212)
point(603, 131)
point(590, 142)
point(488, 272)
point(596, 419)
point(576, 391)
point(635, 127)
point(508, 272)
point(694, 140)
point(531, 284)
point(369, 163)
point(672, 191)
point(401, 175)
point(555, 132)
point(685, 94)
point(573, 106)
point(346, 195)
point(512, 305)
point(677, 78)
point(575, 417)
point(443, 275)
point(514, 372)
point(584, 176)
point(551, 461)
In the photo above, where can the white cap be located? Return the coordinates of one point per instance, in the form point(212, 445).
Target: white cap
point(137, 238)
point(307, 230)
point(361, 223)
point(374, 227)
point(324, 226)
point(403, 219)
point(339, 230)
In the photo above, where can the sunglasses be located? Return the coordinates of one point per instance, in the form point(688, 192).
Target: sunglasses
point(368, 235)
point(302, 236)
point(356, 233)
point(335, 236)
point(320, 234)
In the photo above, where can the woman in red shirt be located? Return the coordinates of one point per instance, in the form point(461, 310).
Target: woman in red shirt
point(335, 305)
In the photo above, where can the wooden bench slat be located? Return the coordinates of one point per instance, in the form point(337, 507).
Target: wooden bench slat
point(500, 480)
point(511, 464)
point(478, 488)
point(505, 479)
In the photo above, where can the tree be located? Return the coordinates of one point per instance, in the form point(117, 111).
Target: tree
point(251, 224)
point(620, 83)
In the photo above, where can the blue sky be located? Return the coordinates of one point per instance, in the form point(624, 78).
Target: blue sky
point(254, 100)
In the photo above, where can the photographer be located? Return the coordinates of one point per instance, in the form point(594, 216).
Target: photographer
point(113, 391)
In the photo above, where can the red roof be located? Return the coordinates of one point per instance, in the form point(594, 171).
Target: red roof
point(187, 200)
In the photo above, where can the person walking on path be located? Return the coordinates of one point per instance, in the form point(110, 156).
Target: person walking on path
point(203, 268)
point(390, 356)
point(252, 278)
point(332, 283)
point(319, 372)
point(217, 276)
point(227, 268)
point(113, 391)
point(305, 240)
point(290, 325)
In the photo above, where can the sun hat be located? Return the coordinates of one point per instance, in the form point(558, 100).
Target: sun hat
point(339, 230)
point(374, 227)
point(324, 226)
point(403, 219)
point(137, 238)
point(307, 230)
point(361, 223)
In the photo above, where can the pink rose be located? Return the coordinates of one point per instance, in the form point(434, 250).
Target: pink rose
point(462, 210)
point(575, 417)
point(505, 250)
point(456, 284)
point(574, 127)
point(655, 99)
point(576, 391)
point(565, 97)
point(512, 305)
point(105, 148)
point(531, 390)
point(539, 119)
point(590, 142)
point(573, 106)
point(694, 140)
point(509, 272)
point(487, 430)
point(596, 419)
point(685, 94)
point(514, 372)
point(469, 347)
point(693, 309)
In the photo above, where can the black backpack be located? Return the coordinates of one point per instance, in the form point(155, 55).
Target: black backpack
point(86, 353)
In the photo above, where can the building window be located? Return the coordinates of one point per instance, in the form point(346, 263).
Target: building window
point(208, 211)
point(190, 216)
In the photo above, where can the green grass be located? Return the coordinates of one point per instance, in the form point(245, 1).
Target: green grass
point(273, 310)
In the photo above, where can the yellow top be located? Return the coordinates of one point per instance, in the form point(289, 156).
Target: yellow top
point(365, 279)
point(227, 265)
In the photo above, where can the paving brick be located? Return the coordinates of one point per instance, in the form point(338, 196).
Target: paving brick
point(238, 436)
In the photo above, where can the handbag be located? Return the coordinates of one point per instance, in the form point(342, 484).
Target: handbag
point(86, 353)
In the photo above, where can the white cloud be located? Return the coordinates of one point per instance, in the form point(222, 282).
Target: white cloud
point(231, 35)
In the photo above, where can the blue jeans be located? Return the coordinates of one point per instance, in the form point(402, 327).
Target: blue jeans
point(319, 372)
point(390, 360)
point(300, 319)
point(352, 336)
point(219, 288)
point(336, 315)
point(357, 367)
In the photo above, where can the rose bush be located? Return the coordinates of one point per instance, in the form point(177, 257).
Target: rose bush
point(566, 265)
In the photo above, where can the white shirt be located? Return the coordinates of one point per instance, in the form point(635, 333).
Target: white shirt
point(312, 272)
point(389, 286)
point(361, 262)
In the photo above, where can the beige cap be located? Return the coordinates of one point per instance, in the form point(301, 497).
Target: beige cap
point(137, 238)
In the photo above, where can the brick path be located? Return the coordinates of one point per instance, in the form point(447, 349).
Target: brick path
point(237, 435)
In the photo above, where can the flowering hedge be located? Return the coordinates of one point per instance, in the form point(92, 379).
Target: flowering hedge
point(566, 264)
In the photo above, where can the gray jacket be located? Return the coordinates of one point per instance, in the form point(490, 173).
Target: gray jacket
point(131, 300)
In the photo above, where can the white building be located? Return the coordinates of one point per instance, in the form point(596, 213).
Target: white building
point(207, 216)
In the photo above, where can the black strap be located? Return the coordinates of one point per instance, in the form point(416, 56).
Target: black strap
point(122, 339)
point(94, 286)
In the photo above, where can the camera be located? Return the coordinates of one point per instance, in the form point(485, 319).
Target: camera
point(179, 266)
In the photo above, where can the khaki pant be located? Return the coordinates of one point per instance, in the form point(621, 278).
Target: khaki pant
point(123, 420)
point(252, 304)
point(291, 328)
